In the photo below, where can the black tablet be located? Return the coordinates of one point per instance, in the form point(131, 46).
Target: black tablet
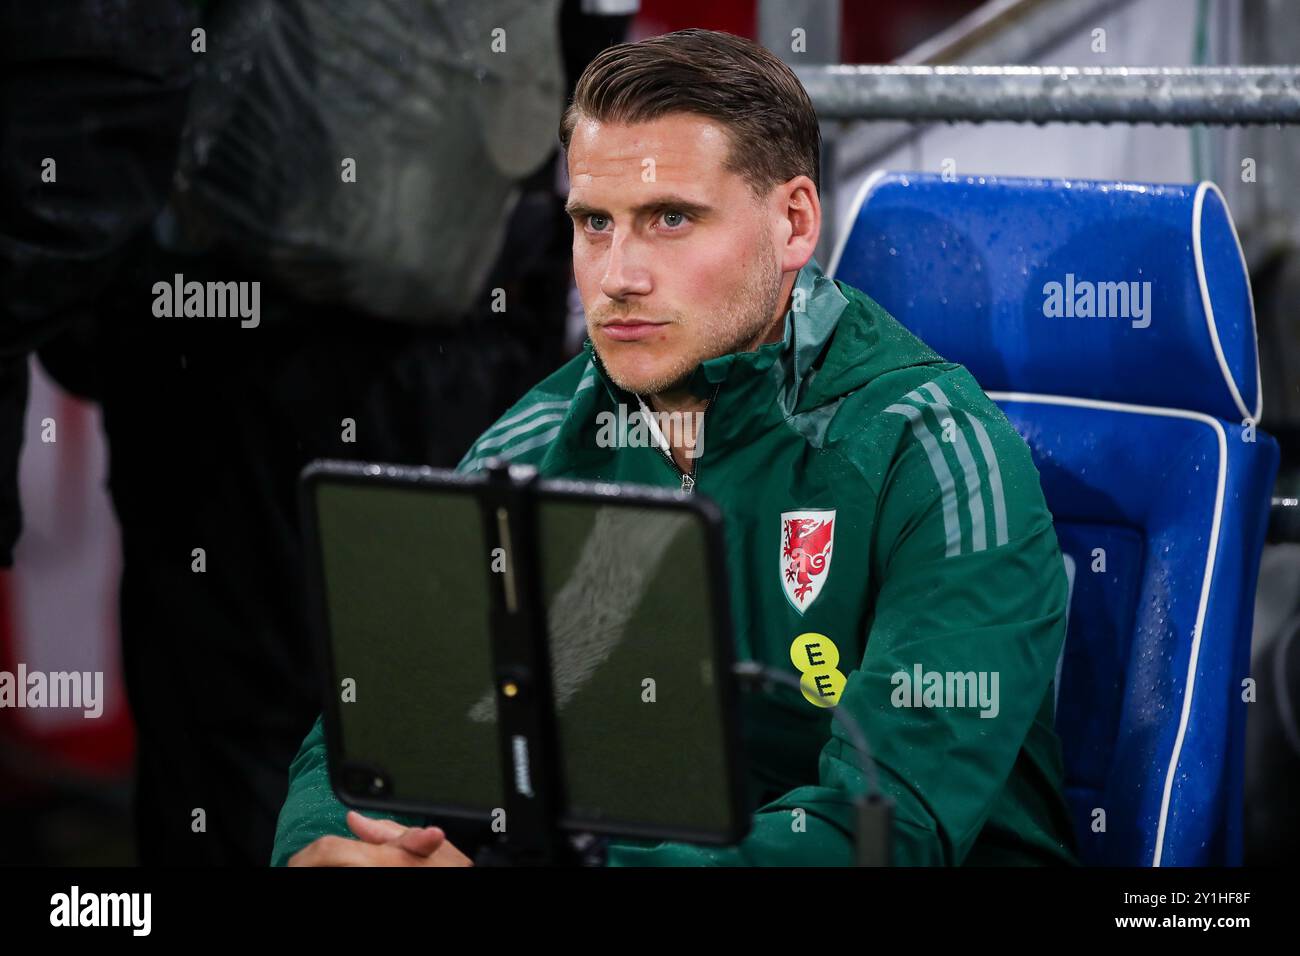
point(633, 592)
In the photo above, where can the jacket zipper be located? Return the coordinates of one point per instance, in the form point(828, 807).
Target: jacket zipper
point(690, 478)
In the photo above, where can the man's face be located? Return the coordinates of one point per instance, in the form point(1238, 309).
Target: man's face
point(673, 254)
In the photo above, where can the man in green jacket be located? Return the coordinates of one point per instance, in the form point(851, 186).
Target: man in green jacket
point(887, 538)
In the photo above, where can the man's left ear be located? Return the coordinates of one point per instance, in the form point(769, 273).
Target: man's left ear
point(802, 212)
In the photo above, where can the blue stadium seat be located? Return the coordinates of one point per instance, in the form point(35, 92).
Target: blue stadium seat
point(1113, 324)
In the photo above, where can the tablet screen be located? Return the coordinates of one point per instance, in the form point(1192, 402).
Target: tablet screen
point(632, 642)
point(627, 597)
point(405, 570)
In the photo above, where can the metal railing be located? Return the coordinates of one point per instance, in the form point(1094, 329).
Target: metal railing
point(1228, 95)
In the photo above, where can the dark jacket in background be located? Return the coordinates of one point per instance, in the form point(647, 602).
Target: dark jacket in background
point(209, 423)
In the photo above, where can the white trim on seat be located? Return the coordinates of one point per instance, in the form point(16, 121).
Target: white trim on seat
point(855, 210)
point(1197, 210)
point(1198, 204)
point(1212, 552)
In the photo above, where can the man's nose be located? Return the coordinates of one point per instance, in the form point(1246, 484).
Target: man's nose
point(625, 273)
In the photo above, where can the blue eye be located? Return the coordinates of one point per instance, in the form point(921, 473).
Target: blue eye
point(673, 225)
point(597, 222)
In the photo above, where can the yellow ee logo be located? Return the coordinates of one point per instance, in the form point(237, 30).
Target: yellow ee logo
point(816, 657)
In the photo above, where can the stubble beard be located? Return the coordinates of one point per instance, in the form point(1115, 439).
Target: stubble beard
point(747, 318)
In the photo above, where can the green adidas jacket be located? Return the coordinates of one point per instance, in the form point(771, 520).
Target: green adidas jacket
point(874, 497)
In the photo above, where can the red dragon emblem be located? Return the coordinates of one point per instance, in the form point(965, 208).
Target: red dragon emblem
point(805, 552)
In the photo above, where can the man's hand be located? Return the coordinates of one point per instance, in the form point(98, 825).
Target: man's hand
point(382, 843)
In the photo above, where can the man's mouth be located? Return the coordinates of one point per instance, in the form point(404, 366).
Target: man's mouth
point(631, 330)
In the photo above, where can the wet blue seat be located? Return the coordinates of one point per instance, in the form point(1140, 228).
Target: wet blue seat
point(1113, 324)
